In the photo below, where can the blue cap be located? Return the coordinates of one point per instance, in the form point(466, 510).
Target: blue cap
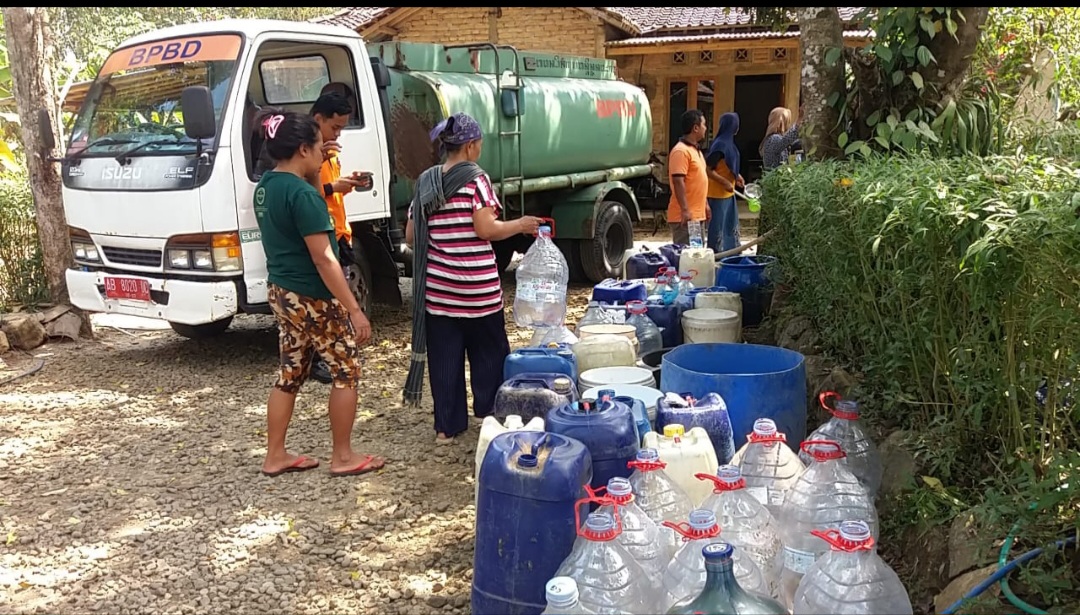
point(717, 551)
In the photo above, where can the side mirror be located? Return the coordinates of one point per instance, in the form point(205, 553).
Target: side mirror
point(382, 74)
point(198, 107)
point(45, 130)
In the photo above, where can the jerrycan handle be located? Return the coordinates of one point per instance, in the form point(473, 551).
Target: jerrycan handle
point(533, 381)
point(823, 450)
point(683, 529)
point(839, 543)
point(599, 501)
point(828, 400)
point(720, 486)
point(549, 222)
point(755, 438)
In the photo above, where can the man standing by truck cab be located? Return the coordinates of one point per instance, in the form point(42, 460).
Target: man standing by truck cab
point(688, 178)
point(332, 111)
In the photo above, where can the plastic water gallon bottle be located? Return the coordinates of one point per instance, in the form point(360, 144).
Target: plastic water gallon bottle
point(648, 334)
point(747, 524)
point(826, 495)
point(845, 429)
point(640, 535)
point(562, 598)
point(694, 228)
point(768, 465)
point(685, 575)
point(722, 592)
point(540, 299)
point(608, 578)
point(658, 494)
point(851, 579)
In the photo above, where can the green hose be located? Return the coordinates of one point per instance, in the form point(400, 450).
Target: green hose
point(1003, 558)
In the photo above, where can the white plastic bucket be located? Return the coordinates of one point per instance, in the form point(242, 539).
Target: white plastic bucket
point(710, 326)
point(602, 376)
point(722, 301)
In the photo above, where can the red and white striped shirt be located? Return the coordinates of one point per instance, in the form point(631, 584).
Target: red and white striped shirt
point(462, 276)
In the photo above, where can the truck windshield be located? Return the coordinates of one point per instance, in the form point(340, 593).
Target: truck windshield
point(134, 104)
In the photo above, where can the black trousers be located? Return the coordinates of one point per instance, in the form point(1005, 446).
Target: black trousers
point(449, 341)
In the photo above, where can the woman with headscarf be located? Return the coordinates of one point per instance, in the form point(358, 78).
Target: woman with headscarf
point(722, 163)
point(457, 292)
point(780, 136)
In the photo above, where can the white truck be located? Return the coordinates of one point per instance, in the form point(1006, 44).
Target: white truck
point(159, 171)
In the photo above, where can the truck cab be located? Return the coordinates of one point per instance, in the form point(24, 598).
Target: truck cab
point(161, 220)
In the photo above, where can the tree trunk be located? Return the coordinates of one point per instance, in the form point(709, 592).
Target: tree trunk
point(820, 30)
point(954, 56)
point(30, 55)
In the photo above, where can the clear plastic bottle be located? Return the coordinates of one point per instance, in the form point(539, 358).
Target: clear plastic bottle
point(748, 525)
point(694, 229)
point(686, 285)
point(608, 578)
point(562, 598)
point(665, 287)
point(553, 335)
point(542, 275)
point(768, 465)
point(826, 495)
point(640, 535)
point(595, 314)
point(684, 577)
point(722, 594)
point(851, 579)
point(659, 495)
point(648, 334)
point(844, 428)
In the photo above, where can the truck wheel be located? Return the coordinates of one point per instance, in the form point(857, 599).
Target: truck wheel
point(613, 235)
point(571, 249)
point(358, 275)
point(202, 332)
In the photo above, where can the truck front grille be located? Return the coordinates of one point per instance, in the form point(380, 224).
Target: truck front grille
point(131, 256)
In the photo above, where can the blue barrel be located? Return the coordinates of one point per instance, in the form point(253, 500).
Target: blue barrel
point(607, 429)
point(557, 359)
point(669, 319)
point(619, 291)
point(645, 265)
point(738, 273)
point(709, 412)
point(525, 527)
point(755, 382)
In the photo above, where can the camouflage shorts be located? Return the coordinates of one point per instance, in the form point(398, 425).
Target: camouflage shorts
point(308, 326)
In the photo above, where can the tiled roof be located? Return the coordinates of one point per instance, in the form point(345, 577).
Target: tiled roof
point(722, 36)
point(656, 19)
point(637, 20)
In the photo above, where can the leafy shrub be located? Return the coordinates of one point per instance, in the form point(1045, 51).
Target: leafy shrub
point(954, 284)
point(22, 273)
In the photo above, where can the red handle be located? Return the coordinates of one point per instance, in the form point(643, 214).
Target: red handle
point(828, 400)
point(720, 486)
point(550, 222)
point(646, 466)
point(838, 542)
point(756, 438)
point(602, 501)
point(683, 529)
point(814, 448)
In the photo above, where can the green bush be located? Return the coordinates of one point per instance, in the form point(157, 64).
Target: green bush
point(953, 284)
point(22, 273)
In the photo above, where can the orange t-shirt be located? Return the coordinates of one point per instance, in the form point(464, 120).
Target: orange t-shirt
point(716, 191)
point(688, 160)
point(335, 203)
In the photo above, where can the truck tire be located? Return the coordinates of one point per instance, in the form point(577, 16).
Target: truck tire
point(571, 249)
point(613, 234)
point(204, 331)
point(358, 275)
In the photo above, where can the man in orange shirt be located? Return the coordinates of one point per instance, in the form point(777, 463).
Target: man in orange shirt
point(332, 111)
point(688, 178)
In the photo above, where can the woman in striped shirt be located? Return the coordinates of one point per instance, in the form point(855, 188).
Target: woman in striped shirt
point(456, 286)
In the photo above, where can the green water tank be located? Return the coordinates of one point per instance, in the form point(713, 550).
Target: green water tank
point(575, 115)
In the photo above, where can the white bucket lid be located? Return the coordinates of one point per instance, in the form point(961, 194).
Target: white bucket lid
point(707, 316)
point(621, 374)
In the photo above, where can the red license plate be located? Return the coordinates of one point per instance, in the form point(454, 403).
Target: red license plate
point(127, 288)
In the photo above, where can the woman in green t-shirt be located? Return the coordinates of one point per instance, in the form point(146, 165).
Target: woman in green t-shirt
point(315, 311)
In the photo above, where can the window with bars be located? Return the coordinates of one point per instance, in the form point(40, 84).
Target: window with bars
point(679, 57)
point(705, 56)
point(779, 53)
point(742, 55)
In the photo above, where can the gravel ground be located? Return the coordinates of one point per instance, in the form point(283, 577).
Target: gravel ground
point(129, 483)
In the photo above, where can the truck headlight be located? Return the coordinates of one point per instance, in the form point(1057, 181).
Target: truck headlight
point(82, 246)
point(205, 252)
